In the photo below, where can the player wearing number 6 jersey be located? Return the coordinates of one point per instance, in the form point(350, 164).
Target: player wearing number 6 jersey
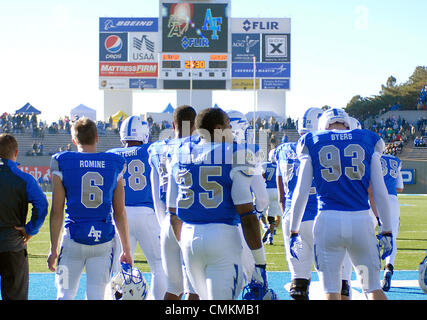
point(343, 164)
point(92, 185)
point(210, 190)
point(144, 226)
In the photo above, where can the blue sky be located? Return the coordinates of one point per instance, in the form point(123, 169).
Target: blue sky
point(49, 50)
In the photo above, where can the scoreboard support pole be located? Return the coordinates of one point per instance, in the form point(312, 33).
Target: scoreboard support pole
point(198, 99)
point(116, 100)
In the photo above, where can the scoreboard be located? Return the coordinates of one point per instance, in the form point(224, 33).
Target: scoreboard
point(195, 44)
point(195, 66)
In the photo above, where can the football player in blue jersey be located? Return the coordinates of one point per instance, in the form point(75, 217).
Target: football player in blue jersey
point(210, 190)
point(243, 135)
point(287, 175)
point(273, 209)
point(391, 166)
point(92, 185)
point(343, 164)
point(144, 227)
point(160, 155)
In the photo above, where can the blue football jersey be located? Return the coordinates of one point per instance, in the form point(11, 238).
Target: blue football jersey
point(341, 162)
point(137, 176)
point(269, 169)
point(89, 181)
point(288, 168)
point(203, 176)
point(160, 154)
point(390, 165)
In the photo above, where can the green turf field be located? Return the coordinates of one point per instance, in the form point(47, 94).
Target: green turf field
point(411, 242)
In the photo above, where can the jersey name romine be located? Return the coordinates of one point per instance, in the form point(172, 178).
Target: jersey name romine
point(89, 180)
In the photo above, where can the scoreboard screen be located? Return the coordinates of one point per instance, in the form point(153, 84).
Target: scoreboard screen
point(200, 66)
point(194, 27)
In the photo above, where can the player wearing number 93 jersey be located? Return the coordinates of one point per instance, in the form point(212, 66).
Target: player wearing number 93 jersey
point(343, 164)
point(144, 227)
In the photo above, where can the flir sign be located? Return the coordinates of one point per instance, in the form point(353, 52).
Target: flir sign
point(260, 25)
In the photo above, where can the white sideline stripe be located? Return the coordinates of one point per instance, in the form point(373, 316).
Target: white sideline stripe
point(316, 290)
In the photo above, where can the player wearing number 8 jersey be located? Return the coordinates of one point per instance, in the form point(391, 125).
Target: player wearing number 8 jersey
point(343, 164)
point(144, 226)
point(92, 185)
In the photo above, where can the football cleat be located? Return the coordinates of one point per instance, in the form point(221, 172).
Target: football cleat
point(129, 284)
point(299, 289)
point(309, 121)
point(422, 275)
point(331, 116)
point(386, 282)
point(134, 129)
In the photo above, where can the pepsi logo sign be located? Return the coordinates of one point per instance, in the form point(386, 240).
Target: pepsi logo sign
point(113, 44)
point(113, 47)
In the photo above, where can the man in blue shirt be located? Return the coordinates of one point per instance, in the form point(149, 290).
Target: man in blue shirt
point(144, 227)
point(17, 190)
point(92, 185)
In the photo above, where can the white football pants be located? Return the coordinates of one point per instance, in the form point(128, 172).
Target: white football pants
point(175, 271)
point(73, 258)
point(339, 232)
point(212, 255)
point(144, 229)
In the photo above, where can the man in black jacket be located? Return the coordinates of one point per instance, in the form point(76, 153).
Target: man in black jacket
point(18, 189)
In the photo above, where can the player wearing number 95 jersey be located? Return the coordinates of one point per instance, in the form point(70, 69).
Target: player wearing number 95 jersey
point(209, 189)
point(144, 226)
point(343, 164)
point(92, 185)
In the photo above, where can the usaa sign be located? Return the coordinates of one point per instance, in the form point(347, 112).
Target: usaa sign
point(261, 25)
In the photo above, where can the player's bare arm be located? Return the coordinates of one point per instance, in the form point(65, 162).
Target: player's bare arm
point(56, 220)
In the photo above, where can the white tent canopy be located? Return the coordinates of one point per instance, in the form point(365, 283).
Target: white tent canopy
point(83, 111)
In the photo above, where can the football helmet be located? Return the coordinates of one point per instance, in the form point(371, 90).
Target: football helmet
point(129, 284)
point(134, 129)
point(239, 124)
point(308, 122)
point(331, 116)
point(258, 289)
point(354, 124)
point(422, 275)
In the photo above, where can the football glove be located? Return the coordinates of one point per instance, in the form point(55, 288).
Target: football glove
point(295, 244)
point(385, 242)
